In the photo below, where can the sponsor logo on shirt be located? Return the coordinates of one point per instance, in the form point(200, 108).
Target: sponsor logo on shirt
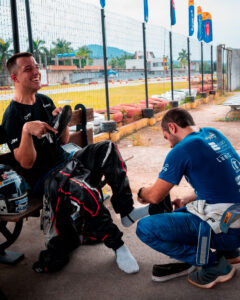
point(214, 146)
point(165, 167)
point(27, 117)
point(211, 136)
point(237, 179)
point(14, 141)
point(223, 157)
point(221, 143)
point(46, 105)
point(235, 165)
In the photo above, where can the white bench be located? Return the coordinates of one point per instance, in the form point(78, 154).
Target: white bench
point(234, 103)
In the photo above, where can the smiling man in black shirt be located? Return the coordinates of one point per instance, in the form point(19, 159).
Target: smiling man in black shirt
point(26, 123)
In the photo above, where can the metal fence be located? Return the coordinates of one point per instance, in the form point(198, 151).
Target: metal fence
point(67, 42)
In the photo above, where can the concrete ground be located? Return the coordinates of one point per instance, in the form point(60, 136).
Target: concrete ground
point(92, 272)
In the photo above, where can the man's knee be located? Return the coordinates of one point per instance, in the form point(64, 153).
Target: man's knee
point(143, 230)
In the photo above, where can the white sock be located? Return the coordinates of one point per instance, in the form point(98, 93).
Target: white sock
point(135, 214)
point(125, 261)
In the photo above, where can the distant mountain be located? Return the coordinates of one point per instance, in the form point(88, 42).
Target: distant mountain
point(112, 52)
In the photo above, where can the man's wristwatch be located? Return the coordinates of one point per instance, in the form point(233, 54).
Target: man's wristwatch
point(139, 192)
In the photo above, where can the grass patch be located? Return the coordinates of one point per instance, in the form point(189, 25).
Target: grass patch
point(156, 128)
point(220, 120)
point(228, 119)
point(138, 140)
point(185, 101)
point(96, 97)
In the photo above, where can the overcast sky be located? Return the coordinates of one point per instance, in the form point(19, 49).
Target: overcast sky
point(225, 14)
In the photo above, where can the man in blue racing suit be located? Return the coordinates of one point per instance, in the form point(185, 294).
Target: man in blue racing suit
point(205, 230)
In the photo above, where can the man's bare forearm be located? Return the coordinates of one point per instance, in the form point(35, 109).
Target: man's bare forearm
point(189, 198)
point(26, 154)
point(156, 193)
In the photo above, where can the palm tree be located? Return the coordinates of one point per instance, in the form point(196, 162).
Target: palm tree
point(183, 57)
point(39, 50)
point(84, 53)
point(61, 46)
point(5, 53)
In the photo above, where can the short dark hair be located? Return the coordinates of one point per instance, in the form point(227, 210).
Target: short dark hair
point(179, 116)
point(12, 62)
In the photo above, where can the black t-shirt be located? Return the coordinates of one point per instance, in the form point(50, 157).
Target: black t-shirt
point(49, 155)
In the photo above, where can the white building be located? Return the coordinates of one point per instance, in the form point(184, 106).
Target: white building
point(153, 63)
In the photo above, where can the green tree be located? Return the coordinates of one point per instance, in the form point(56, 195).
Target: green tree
point(206, 68)
point(5, 53)
point(39, 50)
point(113, 62)
point(120, 62)
point(61, 46)
point(85, 54)
point(183, 58)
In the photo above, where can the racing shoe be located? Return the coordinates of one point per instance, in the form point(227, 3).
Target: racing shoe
point(207, 277)
point(233, 257)
point(165, 272)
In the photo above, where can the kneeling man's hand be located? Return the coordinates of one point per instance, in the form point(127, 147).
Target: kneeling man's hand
point(177, 203)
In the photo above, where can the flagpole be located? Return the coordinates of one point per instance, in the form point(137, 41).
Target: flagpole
point(105, 62)
point(212, 92)
point(212, 65)
point(204, 95)
point(189, 66)
point(190, 33)
point(145, 62)
point(190, 98)
point(171, 62)
point(173, 21)
point(146, 112)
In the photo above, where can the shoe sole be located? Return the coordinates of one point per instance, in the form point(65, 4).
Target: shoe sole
point(234, 261)
point(220, 279)
point(172, 276)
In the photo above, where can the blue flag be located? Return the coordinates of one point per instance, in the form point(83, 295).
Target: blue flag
point(207, 27)
point(191, 17)
point(102, 2)
point(172, 12)
point(200, 28)
point(145, 10)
